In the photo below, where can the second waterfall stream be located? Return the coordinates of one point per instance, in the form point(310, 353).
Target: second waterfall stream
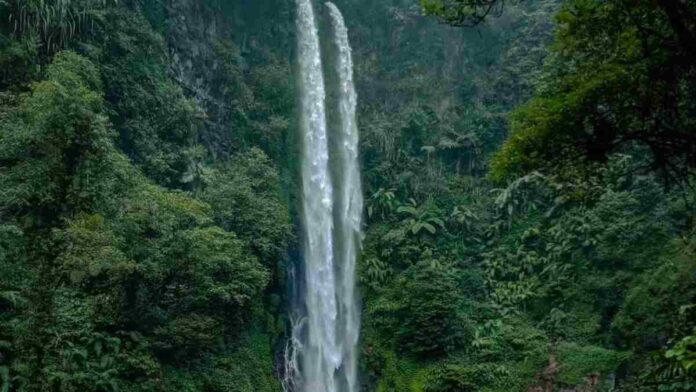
point(322, 356)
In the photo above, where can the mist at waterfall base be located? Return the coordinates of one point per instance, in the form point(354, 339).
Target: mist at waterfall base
point(322, 352)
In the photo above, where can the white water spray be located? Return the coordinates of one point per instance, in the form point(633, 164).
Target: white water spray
point(322, 354)
point(349, 202)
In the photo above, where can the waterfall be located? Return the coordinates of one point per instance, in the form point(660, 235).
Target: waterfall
point(321, 354)
point(349, 200)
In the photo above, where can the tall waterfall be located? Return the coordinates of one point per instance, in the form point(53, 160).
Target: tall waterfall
point(320, 353)
point(349, 200)
point(322, 356)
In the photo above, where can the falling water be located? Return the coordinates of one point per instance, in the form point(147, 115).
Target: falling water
point(320, 354)
point(349, 202)
point(322, 351)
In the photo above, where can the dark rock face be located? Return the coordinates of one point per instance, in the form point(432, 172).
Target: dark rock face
point(212, 45)
point(194, 30)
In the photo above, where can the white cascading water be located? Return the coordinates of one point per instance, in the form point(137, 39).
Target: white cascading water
point(349, 200)
point(322, 353)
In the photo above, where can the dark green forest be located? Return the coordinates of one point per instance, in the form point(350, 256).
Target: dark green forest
point(528, 170)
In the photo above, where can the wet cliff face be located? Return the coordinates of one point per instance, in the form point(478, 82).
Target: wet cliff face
point(195, 31)
point(233, 59)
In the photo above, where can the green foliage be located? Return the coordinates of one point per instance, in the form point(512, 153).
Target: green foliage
point(462, 12)
point(455, 378)
point(112, 276)
point(242, 368)
point(181, 255)
point(246, 369)
point(423, 310)
point(156, 123)
point(61, 158)
point(420, 220)
point(650, 312)
point(53, 22)
point(92, 250)
point(381, 202)
point(577, 362)
point(684, 352)
point(399, 373)
point(143, 232)
point(246, 198)
point(17, 61)
point(595, 107)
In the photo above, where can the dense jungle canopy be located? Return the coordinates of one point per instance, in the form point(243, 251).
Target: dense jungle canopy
point(527, 166)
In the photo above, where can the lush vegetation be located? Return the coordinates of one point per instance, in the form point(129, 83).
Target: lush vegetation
point(130, 260)
point(528, 175)
point(564, 258)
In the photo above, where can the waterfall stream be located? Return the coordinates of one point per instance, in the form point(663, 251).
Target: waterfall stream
point(349, 202)
point(322, 356)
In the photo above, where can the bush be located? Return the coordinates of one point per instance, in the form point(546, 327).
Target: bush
point(427, 301)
